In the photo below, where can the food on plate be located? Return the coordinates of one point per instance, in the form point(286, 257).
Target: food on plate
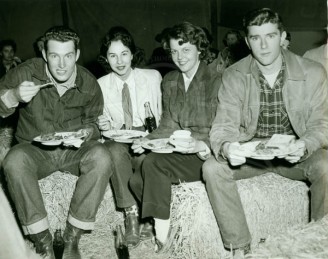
point(64, 135)
point(279, 141)
point(261, 149)
point(159, 144)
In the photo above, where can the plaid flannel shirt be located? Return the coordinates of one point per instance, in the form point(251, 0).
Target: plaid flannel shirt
point(273, 117)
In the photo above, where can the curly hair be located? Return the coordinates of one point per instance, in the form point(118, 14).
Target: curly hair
point(188, 32)
point(62, 34)
point(261, 16)
point(119, 33)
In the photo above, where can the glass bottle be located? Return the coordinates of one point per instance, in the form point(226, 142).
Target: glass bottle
point(122, 250)
point(150, 121)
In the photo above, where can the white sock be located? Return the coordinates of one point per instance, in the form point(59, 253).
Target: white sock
point(162, 227)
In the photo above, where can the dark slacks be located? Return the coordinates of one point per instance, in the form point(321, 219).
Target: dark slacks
point(152, 185)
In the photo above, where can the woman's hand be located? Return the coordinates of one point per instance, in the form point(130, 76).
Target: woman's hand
point(136, 145)
point(103, 123)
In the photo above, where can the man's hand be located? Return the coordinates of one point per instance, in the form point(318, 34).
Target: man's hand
point(298, 154)
point(25, 91)
point(189, 146)
point(233, 153)
point(136, 145)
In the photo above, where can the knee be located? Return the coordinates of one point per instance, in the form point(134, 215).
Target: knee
point(15, 163)
point(99, 157)
point(212, 168)
point(319, 169)
point(117, 150)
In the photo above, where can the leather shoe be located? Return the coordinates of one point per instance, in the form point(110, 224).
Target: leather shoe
point(132, 230)
point(71, 238)
point(43, 244)
point(146, 230)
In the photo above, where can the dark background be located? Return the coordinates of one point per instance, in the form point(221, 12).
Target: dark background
point(25, 20)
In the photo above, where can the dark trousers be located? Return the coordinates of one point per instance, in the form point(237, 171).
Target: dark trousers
point(152, 185)
point(25, 164)
point(125, 162)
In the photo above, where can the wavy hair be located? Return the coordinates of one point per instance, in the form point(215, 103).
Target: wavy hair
point(62, 34)
point(193, 34)
point(119, 33)
point(261, 16)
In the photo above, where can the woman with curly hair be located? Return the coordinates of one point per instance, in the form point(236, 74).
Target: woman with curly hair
point(189, 103)
point(126, 89)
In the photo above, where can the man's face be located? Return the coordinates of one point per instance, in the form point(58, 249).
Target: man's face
point(8, 53)
point(185, 56)
point(265, 41)
point(61, 58)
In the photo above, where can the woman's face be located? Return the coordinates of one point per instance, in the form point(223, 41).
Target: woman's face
point(185, 56)
point(119, 58)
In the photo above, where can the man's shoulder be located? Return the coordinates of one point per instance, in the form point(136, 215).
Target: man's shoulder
point(88, 80)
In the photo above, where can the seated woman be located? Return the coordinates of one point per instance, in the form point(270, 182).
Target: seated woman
point(189, 103)
point(125, 90)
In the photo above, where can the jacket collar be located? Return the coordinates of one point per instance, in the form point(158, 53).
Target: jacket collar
point(40, 73)
point(294, 69)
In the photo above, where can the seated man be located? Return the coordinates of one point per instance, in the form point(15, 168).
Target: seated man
point(272, 91)
point(72, 101)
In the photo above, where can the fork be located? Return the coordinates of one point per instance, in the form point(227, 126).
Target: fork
point(44, 85)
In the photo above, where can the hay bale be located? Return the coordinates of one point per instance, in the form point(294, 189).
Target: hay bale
point(6, 137)
point(57, 190)
point(271, 203)
point(309, 241)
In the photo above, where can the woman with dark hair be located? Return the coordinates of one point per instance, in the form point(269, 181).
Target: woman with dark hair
point(126, 89)
point(189, 104)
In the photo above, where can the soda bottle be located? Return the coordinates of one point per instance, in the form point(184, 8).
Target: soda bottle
point(122, 250)
point(58, 244)
point(150, 121)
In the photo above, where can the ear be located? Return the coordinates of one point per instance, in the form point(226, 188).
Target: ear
point(247, 43)
point(77, 54)
point(283, 37)
point(44, 55)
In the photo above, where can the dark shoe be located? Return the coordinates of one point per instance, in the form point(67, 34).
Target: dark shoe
point(43, 244)
point(132, 230)
point(146, 230)
point(71, 238)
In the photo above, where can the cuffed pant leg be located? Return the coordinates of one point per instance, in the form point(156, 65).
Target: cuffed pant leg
point(94, 169)
point(122, 172)
point(225, 200)
point(23, 166)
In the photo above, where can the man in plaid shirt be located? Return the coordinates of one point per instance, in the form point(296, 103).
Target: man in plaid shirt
point(272, 91)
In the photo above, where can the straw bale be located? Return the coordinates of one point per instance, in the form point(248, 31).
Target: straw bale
point(6, 137)
point(57, 190)
point(271, 203)
point(299, 242)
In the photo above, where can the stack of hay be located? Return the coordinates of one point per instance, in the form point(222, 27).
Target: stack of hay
point(301, 242)
point(57, 190)
point(271, 203)
point(6, 137)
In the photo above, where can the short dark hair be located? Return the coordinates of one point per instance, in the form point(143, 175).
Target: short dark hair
point(193, 34)
point(8, 42)
point(61, 33)
point(119, 33)
point(261, 16)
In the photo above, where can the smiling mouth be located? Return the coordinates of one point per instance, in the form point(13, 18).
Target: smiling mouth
point(121, 67)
